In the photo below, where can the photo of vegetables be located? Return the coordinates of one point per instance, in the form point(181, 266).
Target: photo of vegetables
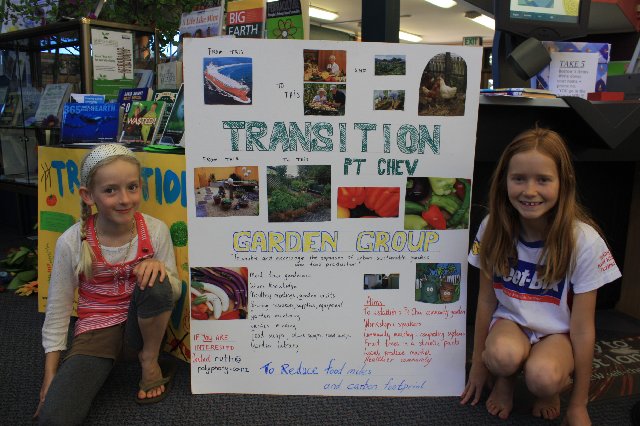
point(368, 202)
point(299, 193)
point(437, 203)
point(438, 282)
point(219, 293)
point(325, 65)
point(319, 99)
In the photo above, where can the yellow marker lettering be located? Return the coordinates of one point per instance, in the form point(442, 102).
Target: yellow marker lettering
point(275, 241)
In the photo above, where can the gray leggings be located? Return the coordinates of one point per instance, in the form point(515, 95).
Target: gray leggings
point(80, 376)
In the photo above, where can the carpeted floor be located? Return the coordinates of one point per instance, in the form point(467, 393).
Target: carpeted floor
point(21, 361)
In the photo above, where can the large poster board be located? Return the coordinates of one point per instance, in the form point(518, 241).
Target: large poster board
point(328, 215)
point(163, 196)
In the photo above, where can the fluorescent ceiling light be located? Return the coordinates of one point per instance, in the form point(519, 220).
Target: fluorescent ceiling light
point(409, 37)
point(318, 13)
point(445, 4)
point(481, 19)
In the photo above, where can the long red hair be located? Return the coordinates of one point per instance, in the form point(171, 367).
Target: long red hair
point(503, 225)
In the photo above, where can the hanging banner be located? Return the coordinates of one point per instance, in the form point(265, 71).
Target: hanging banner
point(163, 196)
point(328, 215)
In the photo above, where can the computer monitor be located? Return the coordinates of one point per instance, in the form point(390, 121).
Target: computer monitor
point(547, 20)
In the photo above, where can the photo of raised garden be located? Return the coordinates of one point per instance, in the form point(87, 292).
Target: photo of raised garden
point(438, 282)
point(299, 193)
point(368, 202)
point(437, 203)
point(390, 65)
point(227, 191)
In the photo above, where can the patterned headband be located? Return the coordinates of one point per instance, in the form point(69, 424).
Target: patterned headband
point(98, 154)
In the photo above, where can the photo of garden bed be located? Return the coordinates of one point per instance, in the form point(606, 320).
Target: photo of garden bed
point(227, 191)
point(299, 193)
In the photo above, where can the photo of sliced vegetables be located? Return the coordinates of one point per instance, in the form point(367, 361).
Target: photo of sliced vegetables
point(219, 293)
point(437, 203)
point(363, 202)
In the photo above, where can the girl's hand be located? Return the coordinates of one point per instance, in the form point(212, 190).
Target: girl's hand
point(577, 415)
point(147, 271)
point(478, 376)
point(46, 382)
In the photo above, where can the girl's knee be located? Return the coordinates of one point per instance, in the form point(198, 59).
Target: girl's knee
point(544, 377)
point(154, 300)
point(503, 359)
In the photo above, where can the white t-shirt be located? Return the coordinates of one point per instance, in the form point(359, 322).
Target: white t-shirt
point(524, 300)
point(64, 280)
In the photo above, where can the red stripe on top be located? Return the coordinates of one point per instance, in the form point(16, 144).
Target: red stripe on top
point(104, 299)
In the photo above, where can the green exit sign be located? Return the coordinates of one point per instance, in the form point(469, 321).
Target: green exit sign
point(472, 41)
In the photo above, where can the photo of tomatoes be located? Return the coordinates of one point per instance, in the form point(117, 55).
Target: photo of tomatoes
point(368, 202)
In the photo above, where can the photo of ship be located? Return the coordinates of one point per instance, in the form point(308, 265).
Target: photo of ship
point(228, 81)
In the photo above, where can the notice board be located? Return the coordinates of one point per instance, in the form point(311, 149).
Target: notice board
point(328, 214)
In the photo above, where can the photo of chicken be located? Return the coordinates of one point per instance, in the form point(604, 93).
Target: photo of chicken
point(443, 85)
point(446, 92)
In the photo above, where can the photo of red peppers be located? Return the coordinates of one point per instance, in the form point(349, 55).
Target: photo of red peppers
point(368, 201)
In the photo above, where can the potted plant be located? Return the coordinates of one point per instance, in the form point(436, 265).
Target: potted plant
point(217, 198)
point(243, 202)
point(226, 203)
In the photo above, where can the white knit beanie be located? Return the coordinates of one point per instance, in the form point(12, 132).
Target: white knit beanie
point(98, 154)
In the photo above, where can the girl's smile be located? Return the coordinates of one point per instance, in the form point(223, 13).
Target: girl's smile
point(533, 187)
point(115, 191)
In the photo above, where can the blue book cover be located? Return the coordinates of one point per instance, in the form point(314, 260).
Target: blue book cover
point(85, 122)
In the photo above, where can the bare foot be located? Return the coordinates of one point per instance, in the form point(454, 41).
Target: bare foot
point(500, 401)
point(547, 408)
point(151, 372)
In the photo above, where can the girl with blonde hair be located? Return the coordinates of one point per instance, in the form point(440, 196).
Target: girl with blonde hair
point(122, 264)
